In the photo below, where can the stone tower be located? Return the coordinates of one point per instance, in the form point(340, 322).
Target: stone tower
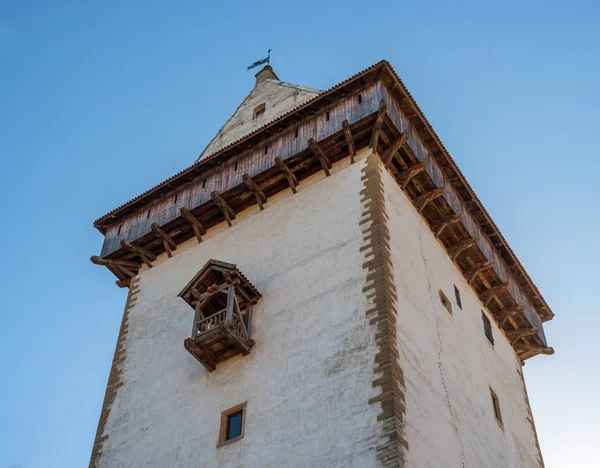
point(322, 288)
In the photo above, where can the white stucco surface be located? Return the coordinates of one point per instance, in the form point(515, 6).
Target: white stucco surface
point(307, 380)
point(448, 362)
point(278, 97)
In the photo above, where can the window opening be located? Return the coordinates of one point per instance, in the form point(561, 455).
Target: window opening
point(296, 136)
point(148, 215)
point(445, 301)
point(232, 424)
point(457, 295)
point(327, 116)
point(487, 327)
point(175, 199)
point(119, 230)
point(360, 99)
point(258, 111)
point(496, 406)
point(266, 149)
point(203, 183)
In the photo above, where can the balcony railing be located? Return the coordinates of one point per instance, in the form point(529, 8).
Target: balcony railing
point(213, 321)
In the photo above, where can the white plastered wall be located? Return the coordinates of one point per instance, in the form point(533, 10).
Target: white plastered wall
point(278, 97)
point(308, 379)
point(448, 363)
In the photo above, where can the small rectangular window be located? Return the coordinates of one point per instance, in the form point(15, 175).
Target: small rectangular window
point(445, 301)
point(496, 406)
point(235, 168)
point(266, 149)
point(457, 295)
point(148, 215)
point(327, 116)
point(232, 424)
point(203, 183)
point(359, 99)
point(258, 111)
point(175, 199)
point(119, 230)
point(296, 136)
point(487, 327)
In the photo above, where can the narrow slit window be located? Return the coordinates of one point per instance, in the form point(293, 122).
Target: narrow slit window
point(119, 230)
point(487, 327)
point(232, 424)
point(266, 149)
point(327, 116)
point(296, 136)
point(235, 168)
point(457, 296)
point(175, 199)
point(445, 301)
point(203, 183)
point(258, 111)
point(496, 406)
point(360, 99)
point(148, 215)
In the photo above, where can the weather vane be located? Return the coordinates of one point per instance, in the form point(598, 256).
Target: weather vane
point(260, 62)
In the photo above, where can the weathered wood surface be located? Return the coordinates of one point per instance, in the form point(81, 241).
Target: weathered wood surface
point(251, 161)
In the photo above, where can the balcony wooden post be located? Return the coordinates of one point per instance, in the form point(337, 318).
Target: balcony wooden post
point(230, 302)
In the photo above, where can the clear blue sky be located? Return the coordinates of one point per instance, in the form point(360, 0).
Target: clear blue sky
point(98, 102)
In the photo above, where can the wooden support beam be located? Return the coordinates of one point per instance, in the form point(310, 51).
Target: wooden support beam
point(128, 269)
point(287, 172)
point(406, 176)
point(349, 140)
point(529, 350)
point(146, 256)
point(260, 196)
point(228, 212)
point(438, 226)
point(197, 226)
point(472, 273)
point(318, 152)
point(487, 296)
point(203, 356)
point(378, 125)
point(459, 248)
point(507, 313)
point(123, 283)
point(515, 335)
point(394, 147)
point(168, 243)
point(422, 200)
point(110, 262)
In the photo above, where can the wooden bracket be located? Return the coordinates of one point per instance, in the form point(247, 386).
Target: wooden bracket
point(289, 175)
point(487, 296)
point(146, 256)
point(422, 200)
point(228, 212)
point(394, 147)
point(472, 273)
point(349, 140)
point(459, 248)
point(129, 269)
point(406, 176)
point(260, 196)
point(515, 335)
point(323, 159)
point(530, 350)
point(505, 314)
point(438, 226)
point(168, 243)
point(199, 229)
point(378, 125)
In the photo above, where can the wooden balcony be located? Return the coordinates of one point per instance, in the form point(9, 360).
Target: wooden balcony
point(222, 298)
point(218, 338)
